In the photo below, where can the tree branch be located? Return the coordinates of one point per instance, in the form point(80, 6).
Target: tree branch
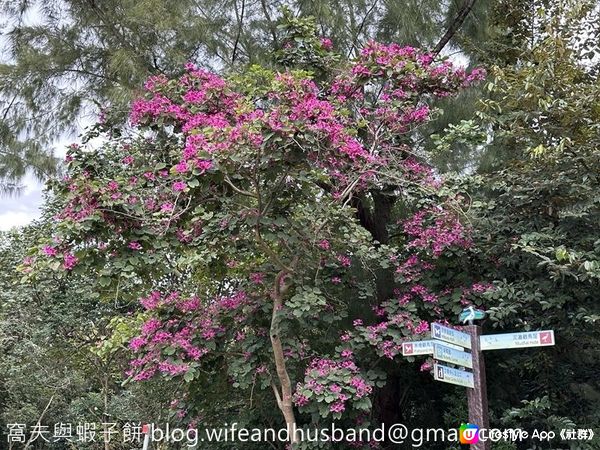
point(240, 20)
point(454, 26)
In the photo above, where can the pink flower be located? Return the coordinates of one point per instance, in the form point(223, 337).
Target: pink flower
point(301, 400)
point(49, 251)
point(136, 343)
point(190, 304)
point(326, 43)
point(150, 326)
point(482, 287)
point(335, 388)
point(423, 327)
point(166, 207)
point(69, 261)
point(337, 407)
point(134, 245)
point(179, 186)
point(181, 167)
point(203, 165)
point(344, 260)
point(152, 301)
point(257, 277)
point(172, 369)
point(324, 244)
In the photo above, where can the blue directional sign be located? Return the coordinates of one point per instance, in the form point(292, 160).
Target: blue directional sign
point(450, 335)
point(453, 376)
point(442, 352)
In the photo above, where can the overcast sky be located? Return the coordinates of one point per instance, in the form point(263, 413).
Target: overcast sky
point(18, 210)
point(21, 209)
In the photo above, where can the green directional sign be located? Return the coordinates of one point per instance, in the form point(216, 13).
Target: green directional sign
point(442, 352)
point(450, 335)
point(453, 376)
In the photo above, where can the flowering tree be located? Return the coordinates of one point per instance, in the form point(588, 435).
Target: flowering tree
point(252, 217)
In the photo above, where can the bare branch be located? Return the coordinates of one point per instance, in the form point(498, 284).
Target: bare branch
point(454, 26)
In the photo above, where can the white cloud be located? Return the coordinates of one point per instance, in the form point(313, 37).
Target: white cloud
point(10, 219)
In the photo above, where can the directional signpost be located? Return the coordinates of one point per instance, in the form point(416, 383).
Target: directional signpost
point(442, 352)
point(450, 346)
point(517, 340)
point(414, 348)
point(450, 335)
point(417, 348)
point(477, 397)
point(453, 376)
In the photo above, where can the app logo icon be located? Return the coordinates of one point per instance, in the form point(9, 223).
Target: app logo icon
point(468, 433)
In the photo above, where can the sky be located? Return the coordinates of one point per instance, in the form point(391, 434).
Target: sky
point(21, 209)
point(18, 210)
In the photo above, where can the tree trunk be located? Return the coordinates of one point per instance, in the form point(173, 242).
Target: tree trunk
point(376, 221)
point(284, 394)
point(105, 414)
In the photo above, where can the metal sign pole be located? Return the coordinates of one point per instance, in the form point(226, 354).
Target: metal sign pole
point(477, 397)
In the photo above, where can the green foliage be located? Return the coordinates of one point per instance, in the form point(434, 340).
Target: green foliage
point(57, 350)
point(536, 210)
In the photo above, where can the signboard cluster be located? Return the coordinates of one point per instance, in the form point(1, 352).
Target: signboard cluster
point(450, 346)
point(458, 358)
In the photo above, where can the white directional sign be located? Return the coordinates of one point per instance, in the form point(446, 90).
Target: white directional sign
point(417, 348)
point(453, 376)
point(450, 335)
point(425, 347)
point(517, 340)
point(451, 355)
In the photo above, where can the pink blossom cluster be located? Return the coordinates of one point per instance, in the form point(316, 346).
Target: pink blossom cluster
point(418, 172)
point(437, 231)
point(328, 378)
point(412, 268)
point(191, 332)
point(414, 68)
point(69, 260)
point(333, 125)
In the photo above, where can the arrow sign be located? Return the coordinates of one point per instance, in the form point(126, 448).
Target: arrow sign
point(448, 354)
point(450, 335)
point(453, 376)
point(517, 340)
